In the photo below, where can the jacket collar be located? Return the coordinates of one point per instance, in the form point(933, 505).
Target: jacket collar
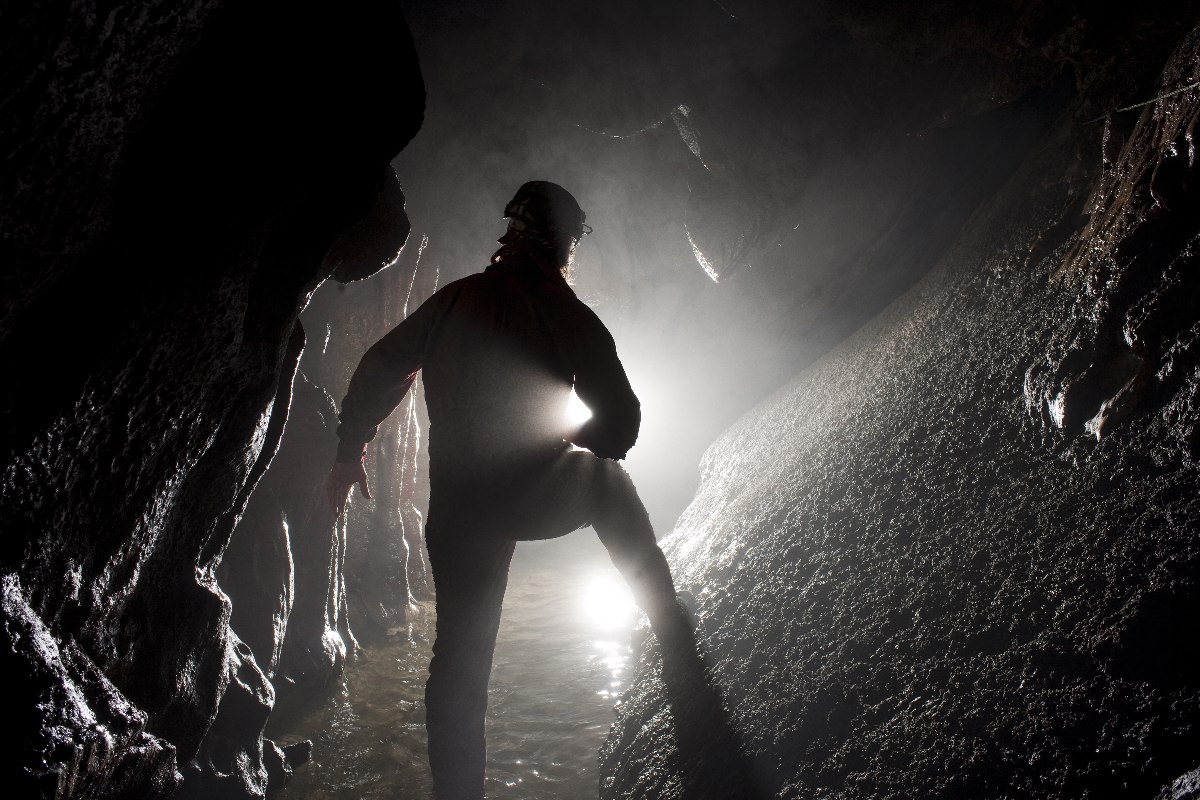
point(527, 268)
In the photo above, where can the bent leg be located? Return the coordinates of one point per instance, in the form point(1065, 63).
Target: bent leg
point(577, 489)
point(623, 525)
point(470, 576)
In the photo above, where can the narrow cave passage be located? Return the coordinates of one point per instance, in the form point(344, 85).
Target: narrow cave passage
point(909, 295)
point(562, 660)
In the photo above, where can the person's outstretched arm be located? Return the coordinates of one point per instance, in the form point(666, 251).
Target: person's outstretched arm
point(384, 375)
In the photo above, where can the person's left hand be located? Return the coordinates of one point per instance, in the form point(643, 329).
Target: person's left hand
point(342, 478)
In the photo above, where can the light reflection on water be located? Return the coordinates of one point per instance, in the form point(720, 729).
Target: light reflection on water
point(561, 662)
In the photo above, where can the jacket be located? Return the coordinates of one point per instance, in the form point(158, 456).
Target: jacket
point(500, 351)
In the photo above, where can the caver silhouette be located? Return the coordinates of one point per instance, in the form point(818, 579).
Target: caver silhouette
point(500, 352)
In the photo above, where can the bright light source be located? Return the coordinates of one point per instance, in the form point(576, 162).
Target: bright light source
point(607, 602)
point(577, 412)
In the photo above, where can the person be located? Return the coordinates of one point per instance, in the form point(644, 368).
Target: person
point(500, 353)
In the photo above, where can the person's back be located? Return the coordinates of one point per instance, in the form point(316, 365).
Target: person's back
point(500, 351)
point(511, 342)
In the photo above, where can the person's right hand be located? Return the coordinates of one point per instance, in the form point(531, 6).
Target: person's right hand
point(341, 480)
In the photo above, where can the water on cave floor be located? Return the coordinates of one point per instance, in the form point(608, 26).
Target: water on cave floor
point(561, 663)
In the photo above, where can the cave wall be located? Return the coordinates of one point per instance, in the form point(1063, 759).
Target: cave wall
point(175, 175)
point(957, 556)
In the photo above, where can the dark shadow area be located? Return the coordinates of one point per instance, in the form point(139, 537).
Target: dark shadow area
point(710, 758)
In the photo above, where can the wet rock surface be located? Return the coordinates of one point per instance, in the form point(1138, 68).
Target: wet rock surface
point(284, 567)
point(85, 735)
point(1185, 787)
point(914, 578)
point(1132, 335)
point(159, 239)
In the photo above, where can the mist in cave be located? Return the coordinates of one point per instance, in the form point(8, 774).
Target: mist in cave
point(720, 195)
point(908, 296)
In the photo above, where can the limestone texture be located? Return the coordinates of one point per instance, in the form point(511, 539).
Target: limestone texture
point(957, 556)
point(284, 568)
point(175, 175)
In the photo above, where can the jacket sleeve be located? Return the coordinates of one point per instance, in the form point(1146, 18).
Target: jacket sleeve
point(602, 385)
point(384, 375)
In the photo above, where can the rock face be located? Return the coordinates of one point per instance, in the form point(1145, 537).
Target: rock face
point(957, 556)
point(160, 237)
point(283, 569)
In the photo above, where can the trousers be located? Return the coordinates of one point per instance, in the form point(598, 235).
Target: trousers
point(471, 534)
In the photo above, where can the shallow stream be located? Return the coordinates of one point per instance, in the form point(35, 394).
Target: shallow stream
point(560, 666)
